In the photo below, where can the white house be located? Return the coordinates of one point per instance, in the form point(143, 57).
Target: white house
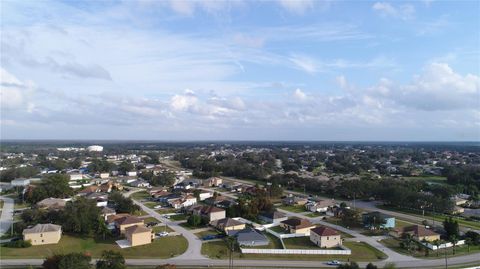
point(204, 195)
point(104, 175)
point(76, 177)
point(20, 182)
point(132, 173)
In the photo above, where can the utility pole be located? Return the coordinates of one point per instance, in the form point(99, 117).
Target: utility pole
point(445, 251)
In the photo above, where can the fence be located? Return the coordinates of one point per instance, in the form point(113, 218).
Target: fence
point(445, 245)
point(344, 251)
point(278, 235)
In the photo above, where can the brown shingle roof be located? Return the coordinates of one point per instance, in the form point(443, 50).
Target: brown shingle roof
point(419, 231)
point(135, 229)
point(226, 222)
point(43, 228)
point(128, 220)
point(324, 231)
point(297, 223)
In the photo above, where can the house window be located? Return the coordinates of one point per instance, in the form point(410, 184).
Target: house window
point(328, 238)
point(42, 241)
point(41, 235)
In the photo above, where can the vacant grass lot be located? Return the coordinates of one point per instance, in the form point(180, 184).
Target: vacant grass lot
point(141, 195)
point(178, 217)
point(164, 247)
point(429, 216)
point(394, 244)
point(360, 252)
point(291, 208)
point(207, 232)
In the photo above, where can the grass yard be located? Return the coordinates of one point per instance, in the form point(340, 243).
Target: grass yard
point(150, 204)
point(314, 214)
point(299, 243)
point(278, 229)
point(164, 247)
point(360, 252)
point(394, 244)
point(339, 222)
point(158, 229)
point(140, 213)
point(207, 232)
point(428, 216)
point(401, 223)
point(141, 195)
point(291, 208)
point(188, 226)
point(178, 217)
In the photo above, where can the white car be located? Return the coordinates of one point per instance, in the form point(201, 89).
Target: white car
point(334, 262)
point(157, 207)
point(162, 234)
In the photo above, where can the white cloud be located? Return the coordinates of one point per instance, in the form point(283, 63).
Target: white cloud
point(299, 95)
point(15, 94)
point(297, 6)
point(304, 63)
point(404, 12)
point(183, 102)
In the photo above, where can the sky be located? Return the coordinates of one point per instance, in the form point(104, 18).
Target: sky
point(240, 70)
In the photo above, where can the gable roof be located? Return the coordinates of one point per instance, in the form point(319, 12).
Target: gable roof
point(419, 231)
point(273, 215)
point(249, 235)
point(324, 231)
point(128, 220)
point(135, 229)
point(297, 223)
point(42, 228)
point(226, 222)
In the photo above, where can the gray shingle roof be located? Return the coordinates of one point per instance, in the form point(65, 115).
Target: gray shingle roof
point(43, 228)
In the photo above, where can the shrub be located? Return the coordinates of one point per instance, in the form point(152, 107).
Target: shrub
point(18, 244)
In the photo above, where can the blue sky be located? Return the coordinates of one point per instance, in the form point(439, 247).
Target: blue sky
point(240, 70)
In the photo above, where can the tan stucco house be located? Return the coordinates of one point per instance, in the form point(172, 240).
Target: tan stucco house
point(43, 234)
point(228, 224)
point(325, 237)
point(127, 221)
point(418, 233)
point(138, 235)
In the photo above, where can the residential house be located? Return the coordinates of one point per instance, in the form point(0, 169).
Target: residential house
point(226, 203)
point(228, 224)
point(104, 175)
point(371, 219)
point(458, 200)
point(212, 182)
point(100, 198)
point(138, 235)
point(183, 201)
point(127, 221)
point(139, 184)
point(205, 195)
point(76, 177)
point(319, 206)
point(215, 200)
point(251, 238)
point(42, 234)
point(131, 173)
point(107, 211)
point(297, 226)
point(272, 217)
point(325, 237)
point(294, 200)
point(88, 190)
point(210, 213)
point(52, 203)
point(20, 182)
point(418, 232)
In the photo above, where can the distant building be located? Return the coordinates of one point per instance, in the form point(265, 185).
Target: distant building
point(51, 203)
point(418, 232)
point(104, 175)
point(294, 200)
point(20, 182)
point(95, 148)
point(43, 234)
point(76, 177)
point(319, 206)
point(132, 173)
point(210, 213)
point(370, 218)
point(272, 217)
point(212, 182)
point(127, 221)
point(325, 237)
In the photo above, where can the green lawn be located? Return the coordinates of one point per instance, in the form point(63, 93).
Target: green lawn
point(339, 222)
point(141, 195)
point(314, 214)
point(299, 243)
point(178, 217)
point(151, 204)
point(291, 208)
point(164, 247)
point(188, 226)
point(431, 179)
point(158, 229)
point(394, 244)
point(207, 232)
point(360, 252)
point(429, 216)
point(278, 229)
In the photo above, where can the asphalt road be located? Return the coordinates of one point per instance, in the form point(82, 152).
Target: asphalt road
point(6, 218)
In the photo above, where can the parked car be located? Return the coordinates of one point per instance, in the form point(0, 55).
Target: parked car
point(157, 207)
point(151, 224)
point(162, 234)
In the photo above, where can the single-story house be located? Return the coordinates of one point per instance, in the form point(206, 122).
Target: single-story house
point(250, 237)
point(104, 175)
point(212, 182)
point(228, 224)
point(76, 177)
point(319, 206)
point(131, 173)
point(297, 226)
point(210, 213)
point(139, 184)
point(20, 182)
point(325, 237)
point(371, 218)
point(418, 232)
point(138, 235)
point(294, 200)
point(272, 217)
point(52, 203)
point(204, 195)
point(42, 234)
point(107, 211)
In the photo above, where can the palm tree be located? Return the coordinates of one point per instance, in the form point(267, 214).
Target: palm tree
point(454, 240)
point(468, 242)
